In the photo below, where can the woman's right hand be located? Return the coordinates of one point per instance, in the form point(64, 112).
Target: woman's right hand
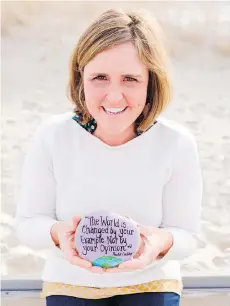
point(63, 235)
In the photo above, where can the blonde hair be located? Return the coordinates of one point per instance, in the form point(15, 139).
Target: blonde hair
point(114, 27)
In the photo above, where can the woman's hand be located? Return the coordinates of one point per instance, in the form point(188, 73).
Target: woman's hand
point(155, 242)
point(63, 235)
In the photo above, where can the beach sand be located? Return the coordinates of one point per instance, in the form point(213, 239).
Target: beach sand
point(37, 41)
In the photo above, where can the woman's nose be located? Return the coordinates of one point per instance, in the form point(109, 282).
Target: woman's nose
point(114, 97)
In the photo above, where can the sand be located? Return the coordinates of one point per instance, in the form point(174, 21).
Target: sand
point(37, 40)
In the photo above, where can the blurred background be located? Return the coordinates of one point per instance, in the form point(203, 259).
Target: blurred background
point(37, 41)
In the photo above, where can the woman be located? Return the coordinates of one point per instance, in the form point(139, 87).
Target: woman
point(114, 152)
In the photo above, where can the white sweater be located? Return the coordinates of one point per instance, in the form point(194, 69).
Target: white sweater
point(154, 178)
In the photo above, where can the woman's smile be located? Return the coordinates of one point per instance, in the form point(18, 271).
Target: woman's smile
point(114, 111)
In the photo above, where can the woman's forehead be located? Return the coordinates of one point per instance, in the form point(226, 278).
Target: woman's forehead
point(122, 58)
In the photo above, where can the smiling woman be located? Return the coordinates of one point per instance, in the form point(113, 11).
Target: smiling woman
point(115, 100)
point(114, 153)
point(120, 62)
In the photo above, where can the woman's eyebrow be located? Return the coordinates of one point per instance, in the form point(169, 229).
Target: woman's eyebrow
point(126, 74)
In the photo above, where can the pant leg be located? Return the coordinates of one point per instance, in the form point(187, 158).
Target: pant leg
point(148, 299)
point(63, 300)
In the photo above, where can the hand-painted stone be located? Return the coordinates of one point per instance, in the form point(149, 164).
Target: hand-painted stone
point(106, 239)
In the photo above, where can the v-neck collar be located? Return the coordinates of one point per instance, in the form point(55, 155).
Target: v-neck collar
point(91, 126)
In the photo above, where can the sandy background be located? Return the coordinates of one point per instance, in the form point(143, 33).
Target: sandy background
point(37, 40)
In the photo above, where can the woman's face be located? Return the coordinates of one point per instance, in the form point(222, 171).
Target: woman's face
point(115, 88)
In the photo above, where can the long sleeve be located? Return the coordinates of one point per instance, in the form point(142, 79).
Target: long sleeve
point(182, 197)
point(35, 213)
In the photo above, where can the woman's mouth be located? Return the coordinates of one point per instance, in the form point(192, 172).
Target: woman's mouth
point(114, 111)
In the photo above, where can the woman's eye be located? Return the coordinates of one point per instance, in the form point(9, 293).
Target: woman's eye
point(102, 77)
point(99, 77)
point(131, 79)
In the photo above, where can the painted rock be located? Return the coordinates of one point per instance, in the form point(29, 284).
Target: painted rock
point(106, 239)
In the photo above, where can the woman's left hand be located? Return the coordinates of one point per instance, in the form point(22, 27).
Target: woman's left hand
point(155, 243)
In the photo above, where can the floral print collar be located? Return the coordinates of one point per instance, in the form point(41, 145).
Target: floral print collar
point(92, 124)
